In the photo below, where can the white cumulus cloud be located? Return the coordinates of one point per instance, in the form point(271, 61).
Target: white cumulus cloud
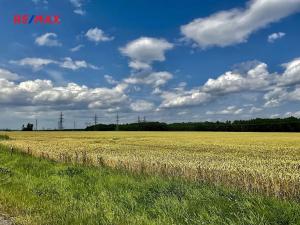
point(35, 63)
point(8, 75)
point(71, 64)
point(230, 110)
point(234, 26)
point(145, 50)
point(48, 39)
point(291, 74)
point(183, 98)
point(142, 106)
point(71, 95)
point(154, 79)
point(66, 63)
point(78, 7)
point(110, 79)
point(76, 48)
point(275, 36)
point(97, 35)
point(254, 79)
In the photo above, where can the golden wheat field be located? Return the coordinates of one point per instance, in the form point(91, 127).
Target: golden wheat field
point(259, 162)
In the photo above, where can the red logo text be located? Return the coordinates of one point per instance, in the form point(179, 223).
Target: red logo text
point(36, 19)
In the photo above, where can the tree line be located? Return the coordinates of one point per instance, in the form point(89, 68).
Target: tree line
point(290, 124)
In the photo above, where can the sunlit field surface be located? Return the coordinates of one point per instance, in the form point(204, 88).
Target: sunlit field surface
point(260, 162)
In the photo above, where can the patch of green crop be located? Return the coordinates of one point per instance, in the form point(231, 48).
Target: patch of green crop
point(4, 137)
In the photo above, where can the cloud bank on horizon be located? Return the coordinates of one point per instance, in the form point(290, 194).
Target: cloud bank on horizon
point(95, 68)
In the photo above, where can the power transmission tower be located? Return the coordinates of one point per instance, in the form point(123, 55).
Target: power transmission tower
point(95, 121)
point(36, 124)
point(139, 119)
point(61, 121)
point(74, 125)
point(117, 120)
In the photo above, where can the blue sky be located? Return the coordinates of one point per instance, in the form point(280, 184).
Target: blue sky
point(166, 60)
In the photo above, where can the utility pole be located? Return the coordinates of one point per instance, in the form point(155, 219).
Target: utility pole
point(117, 120)
point(61, 121)
point(36, 124)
